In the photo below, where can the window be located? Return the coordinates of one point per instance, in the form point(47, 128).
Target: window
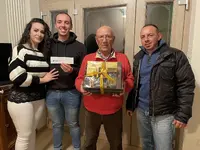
point(160, 14)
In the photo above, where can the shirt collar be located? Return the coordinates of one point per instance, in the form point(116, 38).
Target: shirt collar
point(99, 55)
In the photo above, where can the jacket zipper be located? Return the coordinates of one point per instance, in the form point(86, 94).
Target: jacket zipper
point(138, 74)
point(150, 87)
point(150, 94)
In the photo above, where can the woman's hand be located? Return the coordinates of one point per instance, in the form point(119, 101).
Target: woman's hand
point(52, 75)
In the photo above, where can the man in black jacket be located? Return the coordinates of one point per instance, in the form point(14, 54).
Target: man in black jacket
point(63, 100)
point(163, 90)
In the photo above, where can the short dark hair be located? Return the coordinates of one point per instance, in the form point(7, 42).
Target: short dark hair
point(62, 12)
point(153, 25)
point(26, 34)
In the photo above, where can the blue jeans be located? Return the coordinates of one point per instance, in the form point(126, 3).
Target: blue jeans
point(64, 105)
point(157, 132)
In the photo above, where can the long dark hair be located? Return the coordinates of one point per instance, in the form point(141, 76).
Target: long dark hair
point(26, 37)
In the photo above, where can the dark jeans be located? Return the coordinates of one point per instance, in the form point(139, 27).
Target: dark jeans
point(112, 125)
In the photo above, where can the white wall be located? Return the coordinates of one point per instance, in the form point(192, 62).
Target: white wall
point(3, 20)
point(34, 11)
point(14, 16)
point(191, 139)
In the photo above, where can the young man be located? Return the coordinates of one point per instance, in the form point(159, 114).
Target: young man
point(163, 92)
point(63, 100)
point(104, 109)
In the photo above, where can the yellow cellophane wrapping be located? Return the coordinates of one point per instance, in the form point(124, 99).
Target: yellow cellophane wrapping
point(103, 77)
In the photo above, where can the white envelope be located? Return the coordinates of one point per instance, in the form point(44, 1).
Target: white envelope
point(59, 60)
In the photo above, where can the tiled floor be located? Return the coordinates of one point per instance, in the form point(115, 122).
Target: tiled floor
point(44, 142)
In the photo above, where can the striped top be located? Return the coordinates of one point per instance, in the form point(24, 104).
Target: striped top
point(26, 68)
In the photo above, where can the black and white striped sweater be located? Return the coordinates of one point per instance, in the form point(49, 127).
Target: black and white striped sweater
point(25, 70)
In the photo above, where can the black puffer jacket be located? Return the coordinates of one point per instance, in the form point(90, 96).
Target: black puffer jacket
point(172, 85)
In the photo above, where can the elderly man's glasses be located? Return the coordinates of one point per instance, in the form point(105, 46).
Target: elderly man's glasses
point(107, 37)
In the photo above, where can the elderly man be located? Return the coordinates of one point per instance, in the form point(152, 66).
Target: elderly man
point(104, 109)
point(163, 92)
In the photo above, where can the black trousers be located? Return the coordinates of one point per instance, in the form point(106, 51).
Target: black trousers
point(112, 125)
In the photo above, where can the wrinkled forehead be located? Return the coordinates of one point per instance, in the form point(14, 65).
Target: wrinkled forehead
point(104, 31)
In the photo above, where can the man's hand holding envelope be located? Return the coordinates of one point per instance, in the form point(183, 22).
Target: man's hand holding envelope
point(65, 63)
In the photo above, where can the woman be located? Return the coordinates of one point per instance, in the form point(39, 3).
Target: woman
point(28, 72)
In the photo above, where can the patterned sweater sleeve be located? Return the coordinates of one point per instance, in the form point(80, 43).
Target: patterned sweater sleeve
point(17, 69)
